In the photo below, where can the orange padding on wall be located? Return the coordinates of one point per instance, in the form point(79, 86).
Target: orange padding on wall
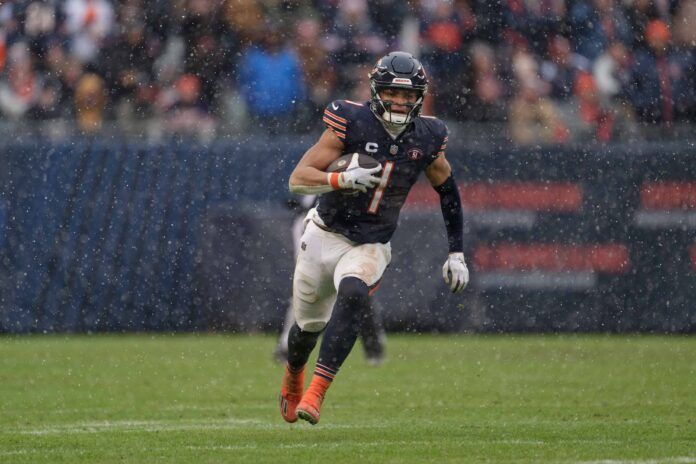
point(529, 196)
point(606, 258)
point(668, 195)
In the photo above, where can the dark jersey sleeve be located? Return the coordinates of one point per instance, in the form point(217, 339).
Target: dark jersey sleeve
point(337, 119)
point(439, 133)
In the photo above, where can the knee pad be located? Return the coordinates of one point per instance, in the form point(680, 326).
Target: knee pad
point(306, 289)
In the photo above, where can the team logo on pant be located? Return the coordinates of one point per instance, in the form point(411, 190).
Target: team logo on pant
point(414, 153)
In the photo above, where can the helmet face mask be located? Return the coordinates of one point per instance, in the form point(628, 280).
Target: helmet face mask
point(412, 105)
point(397, 70)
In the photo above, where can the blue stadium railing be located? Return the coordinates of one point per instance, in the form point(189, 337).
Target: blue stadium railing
point(114, 236)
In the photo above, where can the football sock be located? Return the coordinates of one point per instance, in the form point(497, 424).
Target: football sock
point(300, 345)
point(317, 387)
point(351, 308)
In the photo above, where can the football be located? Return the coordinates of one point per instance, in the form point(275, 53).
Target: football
point(340, 164)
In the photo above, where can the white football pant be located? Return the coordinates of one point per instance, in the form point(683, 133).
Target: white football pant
point(324, 259)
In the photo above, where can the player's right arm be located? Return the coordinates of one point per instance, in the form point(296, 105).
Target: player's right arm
point(310, 177)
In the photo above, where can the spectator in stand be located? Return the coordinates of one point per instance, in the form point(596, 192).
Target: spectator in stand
point(641, 12)
point(142, 47)
point(388, 17)
point(590, 118)
point(596, 23)
point(3, 50)
point(202, 30)
point(487, 93)
point(187, 115)
point(535, 20)
point(47, 106)
point(612, 72)
point(71, 70)
point(245, 18)
point(662, 82)
point(88, 23)
point(90, 100)
point(40, 24)
point(353, 41)
point(561, 68)
point(534, 119)
point(126, 66)
point(319, 74)
point(684, 21)
point(20, 87)
point(8, 24)
point(271, 82)
point(444, 35)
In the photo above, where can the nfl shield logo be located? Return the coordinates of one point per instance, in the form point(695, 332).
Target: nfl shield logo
point(394, 149)
point(414, 153)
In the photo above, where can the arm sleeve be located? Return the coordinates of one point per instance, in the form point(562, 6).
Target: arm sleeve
point(451, 205)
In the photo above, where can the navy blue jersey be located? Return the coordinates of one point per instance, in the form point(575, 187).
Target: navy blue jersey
point(372, 217)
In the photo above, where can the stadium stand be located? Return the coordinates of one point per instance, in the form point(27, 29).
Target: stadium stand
point(146, 68)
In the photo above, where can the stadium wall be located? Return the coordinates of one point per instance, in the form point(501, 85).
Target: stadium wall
point(101, 236)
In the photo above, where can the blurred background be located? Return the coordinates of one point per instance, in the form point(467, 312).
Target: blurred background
point(145, 148)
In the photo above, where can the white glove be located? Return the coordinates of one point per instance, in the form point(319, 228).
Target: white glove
point(455, 272)
point(357, 178)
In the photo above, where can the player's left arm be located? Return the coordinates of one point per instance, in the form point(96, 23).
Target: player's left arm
point(454, 271)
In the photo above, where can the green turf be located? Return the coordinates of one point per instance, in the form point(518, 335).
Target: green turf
point(212, 398)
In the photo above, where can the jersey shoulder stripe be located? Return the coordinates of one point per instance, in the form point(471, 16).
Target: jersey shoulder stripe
point(335, 117)
point(338, 116)
point(336, 128)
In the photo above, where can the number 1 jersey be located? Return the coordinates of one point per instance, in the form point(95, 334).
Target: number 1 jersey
point(372, 216)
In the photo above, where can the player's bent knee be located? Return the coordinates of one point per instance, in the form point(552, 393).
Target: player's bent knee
point(353, 287)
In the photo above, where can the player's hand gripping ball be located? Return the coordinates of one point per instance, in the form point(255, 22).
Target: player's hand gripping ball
point(358, 173)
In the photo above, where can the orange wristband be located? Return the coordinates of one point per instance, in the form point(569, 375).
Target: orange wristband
point(333, 180)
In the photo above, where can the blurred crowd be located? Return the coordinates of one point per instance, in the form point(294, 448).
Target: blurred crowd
point(551, 71)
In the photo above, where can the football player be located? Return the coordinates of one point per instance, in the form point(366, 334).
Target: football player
point(345, 245)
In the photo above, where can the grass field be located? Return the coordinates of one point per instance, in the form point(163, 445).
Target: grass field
point(212, 398)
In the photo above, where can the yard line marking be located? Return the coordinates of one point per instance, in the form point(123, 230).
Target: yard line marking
point(166, 426)
point(365, 444)
point(17, 452)
point(215, 408)
point(675, 460)
point(139, 426)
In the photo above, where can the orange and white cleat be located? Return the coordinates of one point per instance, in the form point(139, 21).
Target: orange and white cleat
point(291, 390)
point(309, 407)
